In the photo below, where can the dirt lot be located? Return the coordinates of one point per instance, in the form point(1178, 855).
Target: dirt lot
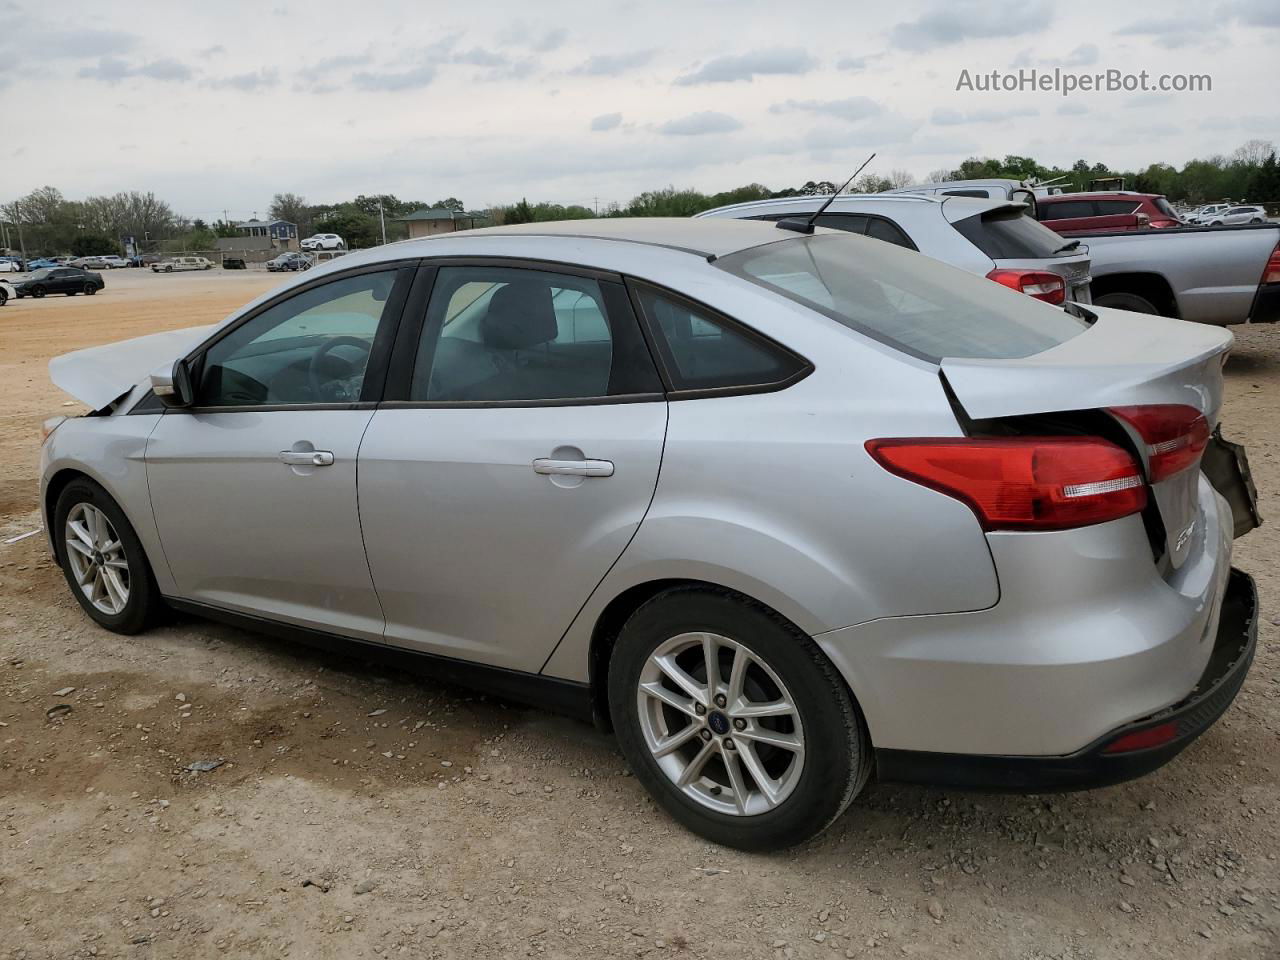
point(363, 814)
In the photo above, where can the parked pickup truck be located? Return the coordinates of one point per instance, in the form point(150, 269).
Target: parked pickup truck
point(1219, 275)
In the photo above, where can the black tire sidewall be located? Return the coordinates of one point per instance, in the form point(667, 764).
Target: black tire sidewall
point(1127, 301)
point(837, 751)
point(144, 597)
point(37, 292)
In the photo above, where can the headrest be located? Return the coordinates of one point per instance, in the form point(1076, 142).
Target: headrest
point(520, 315)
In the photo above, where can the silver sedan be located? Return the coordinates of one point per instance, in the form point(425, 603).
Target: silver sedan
point(785, 508)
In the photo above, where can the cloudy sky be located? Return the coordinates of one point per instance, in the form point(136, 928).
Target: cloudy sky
point(218, 106)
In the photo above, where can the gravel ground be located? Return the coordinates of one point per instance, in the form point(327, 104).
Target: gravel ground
point(360, 813)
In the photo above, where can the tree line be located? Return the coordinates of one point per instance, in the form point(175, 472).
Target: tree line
point(46, 223)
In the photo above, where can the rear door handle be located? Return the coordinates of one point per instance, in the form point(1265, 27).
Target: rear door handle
point(307, 458)
point(573, 468)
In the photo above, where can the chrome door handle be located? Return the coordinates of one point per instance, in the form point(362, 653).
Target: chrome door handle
point(307, 458)
point(573, 468)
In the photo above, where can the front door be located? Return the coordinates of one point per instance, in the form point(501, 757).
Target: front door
point(517, 465)
point(254, 488)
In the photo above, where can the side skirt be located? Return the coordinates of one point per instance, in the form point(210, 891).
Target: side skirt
point(568, 697)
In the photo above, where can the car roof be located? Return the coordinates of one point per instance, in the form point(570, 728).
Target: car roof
point(855, 202)
point(712, 237)
point(1099, 195)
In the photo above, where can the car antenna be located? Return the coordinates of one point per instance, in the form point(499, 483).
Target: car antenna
point(806, 226)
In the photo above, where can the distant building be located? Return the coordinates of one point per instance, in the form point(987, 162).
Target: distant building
point(429, 222)
point(279, 234)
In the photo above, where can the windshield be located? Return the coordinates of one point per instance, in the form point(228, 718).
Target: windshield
point(1163, 206)
point(925, 309)
point(41, 274)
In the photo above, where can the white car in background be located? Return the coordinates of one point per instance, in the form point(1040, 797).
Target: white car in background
point(10, 265)
point(1202, 214)
point(1241, 214)
point(7, 292)
point(181, 263)
point(324, 241)
point(113, 262)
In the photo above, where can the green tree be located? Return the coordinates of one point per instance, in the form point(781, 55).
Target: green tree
point(518, 213)
point(293, 208)
point(93, 245)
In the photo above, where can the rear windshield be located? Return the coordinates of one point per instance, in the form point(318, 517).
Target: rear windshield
point(1010, 235)
point(926, 309)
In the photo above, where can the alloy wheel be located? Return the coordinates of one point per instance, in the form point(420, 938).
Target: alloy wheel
point(720, 724)
point(97, 559)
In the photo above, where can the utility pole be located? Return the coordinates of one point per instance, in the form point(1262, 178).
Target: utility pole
point(383, 221)
point(17, 222)
point(595, 201)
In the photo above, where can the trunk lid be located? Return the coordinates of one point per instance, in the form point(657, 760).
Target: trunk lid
point(1123, 359)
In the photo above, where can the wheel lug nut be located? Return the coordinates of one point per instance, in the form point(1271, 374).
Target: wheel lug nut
point(739, 724)
point(705, 734)
point(720, 700)
point(699, 709)
point(729, 744)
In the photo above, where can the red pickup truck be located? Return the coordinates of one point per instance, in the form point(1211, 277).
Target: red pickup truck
point(1069, 213)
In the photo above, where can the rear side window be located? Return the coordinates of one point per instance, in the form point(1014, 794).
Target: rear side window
point(1067, 210)
point(511, 334)
point(1115, 208)
point(705, 352)
point(929, 312)
point(881, 229)
point(1009, 235)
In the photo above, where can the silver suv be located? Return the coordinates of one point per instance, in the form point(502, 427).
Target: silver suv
point(989, 237)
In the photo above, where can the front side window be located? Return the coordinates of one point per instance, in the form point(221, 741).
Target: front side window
point(509, 334)
point(704, 352)
point(311, 348)
point(888, 295)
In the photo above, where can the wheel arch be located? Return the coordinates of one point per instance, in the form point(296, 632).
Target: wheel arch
point(608, 624)
point(1153, 287)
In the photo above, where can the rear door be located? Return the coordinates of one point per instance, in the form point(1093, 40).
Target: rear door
point(513, 461)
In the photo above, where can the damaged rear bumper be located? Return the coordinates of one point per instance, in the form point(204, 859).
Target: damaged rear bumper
point(1122, 754)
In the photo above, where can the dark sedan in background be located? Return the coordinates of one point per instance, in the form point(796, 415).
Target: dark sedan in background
point(68, 280)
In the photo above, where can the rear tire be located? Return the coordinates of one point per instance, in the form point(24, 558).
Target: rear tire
point(90, 289)
point(738, 790)
point(124, 599)
point(1126, 301)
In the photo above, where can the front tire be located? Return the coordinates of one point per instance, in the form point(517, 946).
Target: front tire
point(734, 719)
point(103, 560)
point(37, 292)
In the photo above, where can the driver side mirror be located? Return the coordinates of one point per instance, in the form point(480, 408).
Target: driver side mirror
point(174, 386)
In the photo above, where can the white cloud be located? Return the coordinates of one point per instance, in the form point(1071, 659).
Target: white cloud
point(851, 108)
point(708, 121)
point(612, 64)
point(606, 121)
point(949, 24)
point(746, 66)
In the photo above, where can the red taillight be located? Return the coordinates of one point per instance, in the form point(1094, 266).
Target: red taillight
point(1271, 273)
point(1142, 739)
point(1022, 483)
point(1162, 224)
point(1048, 287)
point(1175, 435)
